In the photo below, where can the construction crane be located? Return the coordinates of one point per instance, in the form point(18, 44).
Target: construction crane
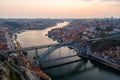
point(20, 58)
point(18, 52)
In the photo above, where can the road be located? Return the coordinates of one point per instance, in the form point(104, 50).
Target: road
point(11, 46)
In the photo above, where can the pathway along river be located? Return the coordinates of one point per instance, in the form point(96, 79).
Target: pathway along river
point(79, 70)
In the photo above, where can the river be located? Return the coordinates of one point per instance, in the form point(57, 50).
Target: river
point(79, 70)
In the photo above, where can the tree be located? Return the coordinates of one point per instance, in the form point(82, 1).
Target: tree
point(25, 53)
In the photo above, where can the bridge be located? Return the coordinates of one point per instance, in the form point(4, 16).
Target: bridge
point(64, 43)
point(38, 47)
point(53, 47)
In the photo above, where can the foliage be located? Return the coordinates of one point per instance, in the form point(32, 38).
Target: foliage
point(102, 45)
point(25, 53)
point(13, 75)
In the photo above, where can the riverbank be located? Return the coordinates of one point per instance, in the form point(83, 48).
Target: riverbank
point(96, 59)
point(91, 56)
point(13, 38)
point(14, 33)
point(73, 71)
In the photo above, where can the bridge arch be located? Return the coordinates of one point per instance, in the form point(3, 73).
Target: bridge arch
point(51, 49)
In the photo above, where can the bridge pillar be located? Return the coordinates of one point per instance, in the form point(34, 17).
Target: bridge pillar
point(36, 52)
point(88, 47)
point(36, 56)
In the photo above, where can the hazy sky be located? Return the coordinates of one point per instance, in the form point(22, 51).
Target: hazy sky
point(59, 8)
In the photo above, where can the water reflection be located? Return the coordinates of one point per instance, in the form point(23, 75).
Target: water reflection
point(76, 70)
point(62, 72)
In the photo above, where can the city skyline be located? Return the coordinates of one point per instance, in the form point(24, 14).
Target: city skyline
point(59, 8)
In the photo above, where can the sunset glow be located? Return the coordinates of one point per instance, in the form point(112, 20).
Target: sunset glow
point(59, 8)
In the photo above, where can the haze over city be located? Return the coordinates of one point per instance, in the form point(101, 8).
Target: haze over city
point(59, 8)
point(59, 39)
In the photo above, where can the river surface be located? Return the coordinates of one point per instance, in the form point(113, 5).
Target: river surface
point(79, 70)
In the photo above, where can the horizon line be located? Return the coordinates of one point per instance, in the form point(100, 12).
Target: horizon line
point(56, 17)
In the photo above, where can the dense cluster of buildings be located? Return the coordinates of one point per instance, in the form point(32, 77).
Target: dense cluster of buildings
point(112, 54)
point(16, 60)
point(15, 24)
point(86, 28)
point(91, 28)
point(3, 40)
point(74, 32)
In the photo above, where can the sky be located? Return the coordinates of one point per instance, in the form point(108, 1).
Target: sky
point(59, 8)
